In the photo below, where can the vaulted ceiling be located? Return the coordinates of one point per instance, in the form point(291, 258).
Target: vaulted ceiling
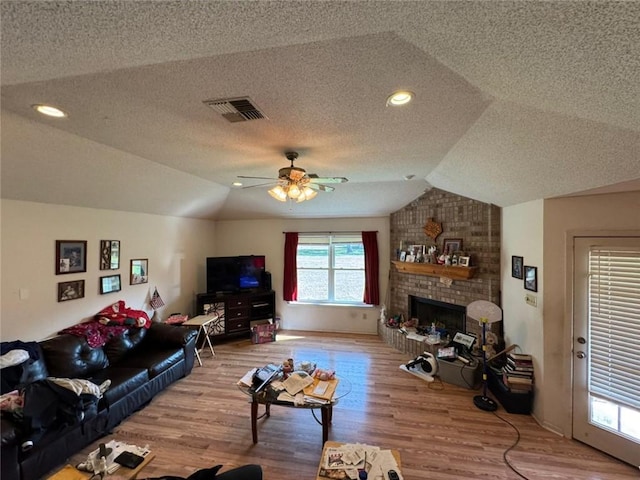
point(514, 101)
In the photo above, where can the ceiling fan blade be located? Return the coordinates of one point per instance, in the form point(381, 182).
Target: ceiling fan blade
point(260, 184)
point(313, 178)
point(318, 186)
point(258, 178)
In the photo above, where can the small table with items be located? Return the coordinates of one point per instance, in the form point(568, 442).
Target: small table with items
point(332, 391)
point(374, 461)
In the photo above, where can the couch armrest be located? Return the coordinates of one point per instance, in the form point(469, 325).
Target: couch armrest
point(8, 431)
point(170, 335)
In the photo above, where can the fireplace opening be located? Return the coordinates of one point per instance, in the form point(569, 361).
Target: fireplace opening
point(448, 317)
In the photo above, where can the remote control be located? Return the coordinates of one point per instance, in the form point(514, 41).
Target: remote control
point(393, 475)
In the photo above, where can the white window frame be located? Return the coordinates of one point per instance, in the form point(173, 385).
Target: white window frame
point(331, 240)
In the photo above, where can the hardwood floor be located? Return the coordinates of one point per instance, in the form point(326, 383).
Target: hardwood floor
point(204, 420)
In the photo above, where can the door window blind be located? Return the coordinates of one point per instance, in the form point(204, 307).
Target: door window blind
point(614, 324)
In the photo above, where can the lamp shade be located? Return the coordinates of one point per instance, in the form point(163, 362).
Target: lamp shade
point(484, 311)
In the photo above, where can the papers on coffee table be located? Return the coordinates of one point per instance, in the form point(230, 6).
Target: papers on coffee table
point(346, 460)
point(296, 382)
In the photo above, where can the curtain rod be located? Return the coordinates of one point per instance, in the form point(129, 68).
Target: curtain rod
point(331, 233)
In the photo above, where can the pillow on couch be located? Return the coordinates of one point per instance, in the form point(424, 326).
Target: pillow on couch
point(118, 347)
point(70, 356)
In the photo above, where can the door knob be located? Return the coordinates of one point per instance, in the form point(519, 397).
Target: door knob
point(580, 354)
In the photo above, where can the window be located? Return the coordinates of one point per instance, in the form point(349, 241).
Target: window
point(614, 318)
point(330, 269)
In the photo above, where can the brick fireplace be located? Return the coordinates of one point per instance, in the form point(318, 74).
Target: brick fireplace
point(477, 224)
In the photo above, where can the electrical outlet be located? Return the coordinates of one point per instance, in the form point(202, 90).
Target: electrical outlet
point(531, 300)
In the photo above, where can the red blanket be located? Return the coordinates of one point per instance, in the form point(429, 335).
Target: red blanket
point(108, 323)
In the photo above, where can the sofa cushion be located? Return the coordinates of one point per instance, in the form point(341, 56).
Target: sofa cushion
point(70, 356)
point(120, 346)
point(155, 361)
point(124, 380)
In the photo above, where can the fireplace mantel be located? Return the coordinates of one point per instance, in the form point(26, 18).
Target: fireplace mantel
point(434, 270)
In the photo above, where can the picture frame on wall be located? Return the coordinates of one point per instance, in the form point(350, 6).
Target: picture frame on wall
point(139, 271)
point(71, 256)
point(70, 290)
point(516, 267)
point(531, 278)
point(109, 254)
point(451, 245)
point(110, 284)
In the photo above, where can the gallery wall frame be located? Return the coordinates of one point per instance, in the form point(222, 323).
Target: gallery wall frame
point(72, 290)
point(516, 266)
point(110, 284)
point(71, 256)
point(531, 278)
point(109, 254)
point(139, 271)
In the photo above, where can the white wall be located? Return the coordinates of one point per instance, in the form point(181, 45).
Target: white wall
point(175, 247)
point(265, 237)
point(522, 235)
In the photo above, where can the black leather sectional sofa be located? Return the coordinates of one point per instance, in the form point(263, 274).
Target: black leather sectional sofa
point(139, 363)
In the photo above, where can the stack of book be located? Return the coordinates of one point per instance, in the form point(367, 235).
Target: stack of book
point(517, 374)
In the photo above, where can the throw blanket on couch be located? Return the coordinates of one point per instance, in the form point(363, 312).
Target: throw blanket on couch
point(119, 314)
point(110, 322)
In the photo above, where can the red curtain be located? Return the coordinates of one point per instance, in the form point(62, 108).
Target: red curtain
point(371, 268)
point(290, 287)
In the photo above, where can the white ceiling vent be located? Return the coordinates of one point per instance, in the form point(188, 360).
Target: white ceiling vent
point(236, 109)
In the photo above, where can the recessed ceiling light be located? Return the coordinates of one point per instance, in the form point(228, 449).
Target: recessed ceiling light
point(401, 97)
point(49, 111)
point(237, 184)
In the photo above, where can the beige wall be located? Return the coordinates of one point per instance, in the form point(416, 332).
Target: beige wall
point(265, 237)
point(175, 247)
point(565, 218)
point(522, 235)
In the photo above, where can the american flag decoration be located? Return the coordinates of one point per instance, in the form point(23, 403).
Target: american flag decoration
point(156, 300)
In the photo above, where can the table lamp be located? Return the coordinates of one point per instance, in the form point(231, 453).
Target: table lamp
point(484, 312)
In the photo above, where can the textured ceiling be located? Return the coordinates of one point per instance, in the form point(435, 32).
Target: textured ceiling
point(515, 101)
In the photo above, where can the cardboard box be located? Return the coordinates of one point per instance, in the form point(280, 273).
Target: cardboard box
point(264, 333)
point(461, 374)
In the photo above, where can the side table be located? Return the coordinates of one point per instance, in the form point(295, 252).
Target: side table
point(204, 323)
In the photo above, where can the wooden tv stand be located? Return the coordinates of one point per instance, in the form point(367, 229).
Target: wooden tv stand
point(237, 310)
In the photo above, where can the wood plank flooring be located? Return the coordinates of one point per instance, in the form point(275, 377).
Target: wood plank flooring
point(204, 420)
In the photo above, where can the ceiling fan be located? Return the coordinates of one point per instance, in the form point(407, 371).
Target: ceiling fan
point(295, 183)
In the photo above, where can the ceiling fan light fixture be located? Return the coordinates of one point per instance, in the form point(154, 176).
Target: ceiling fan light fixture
point(306, 194)
point(309, 193)
point(401, 97)
point(278, 193)
point(293, 191)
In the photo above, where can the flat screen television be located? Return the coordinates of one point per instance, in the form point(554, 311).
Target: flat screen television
point(235, 274)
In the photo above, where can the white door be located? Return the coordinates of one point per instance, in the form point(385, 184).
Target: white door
point(606, 345)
